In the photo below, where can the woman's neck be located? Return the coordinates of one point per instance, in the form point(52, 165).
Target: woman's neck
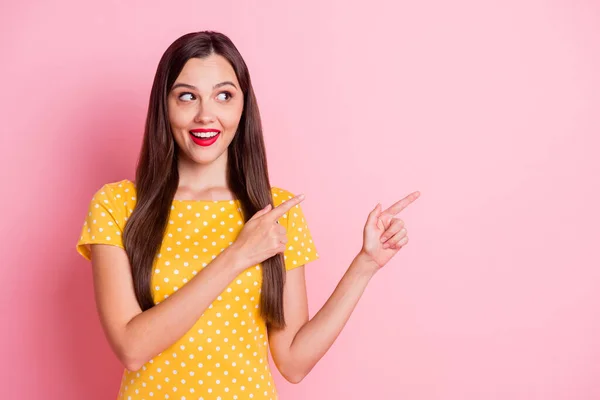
point(203, 181)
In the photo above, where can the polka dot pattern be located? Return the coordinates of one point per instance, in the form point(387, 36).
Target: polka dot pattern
point(225, 354)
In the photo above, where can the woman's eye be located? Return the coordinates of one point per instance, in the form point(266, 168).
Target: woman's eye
point(190, 96)
point(185, 94)
point(228, 95)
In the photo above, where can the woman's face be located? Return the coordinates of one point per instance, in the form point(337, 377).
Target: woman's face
point(205, 96)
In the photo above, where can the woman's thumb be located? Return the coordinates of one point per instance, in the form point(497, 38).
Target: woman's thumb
point(373, 215)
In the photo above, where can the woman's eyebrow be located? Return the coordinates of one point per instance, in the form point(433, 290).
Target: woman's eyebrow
point(218, 85)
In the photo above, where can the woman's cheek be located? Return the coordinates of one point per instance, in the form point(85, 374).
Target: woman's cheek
point(233, 119)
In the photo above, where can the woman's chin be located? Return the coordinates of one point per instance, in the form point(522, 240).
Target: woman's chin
point(204, 156)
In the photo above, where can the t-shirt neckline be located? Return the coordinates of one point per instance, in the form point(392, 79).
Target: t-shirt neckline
point(230, 201)
point(205, 201)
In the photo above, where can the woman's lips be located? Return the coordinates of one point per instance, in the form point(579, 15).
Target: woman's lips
point(204, 142)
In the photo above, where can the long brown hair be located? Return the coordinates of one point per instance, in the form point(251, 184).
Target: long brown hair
point(157, 175)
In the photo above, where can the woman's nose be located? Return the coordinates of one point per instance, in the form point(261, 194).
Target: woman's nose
point(204, 115)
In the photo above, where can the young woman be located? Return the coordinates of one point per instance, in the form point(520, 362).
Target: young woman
point(198, 266)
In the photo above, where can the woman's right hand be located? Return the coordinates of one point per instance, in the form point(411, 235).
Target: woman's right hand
point(262, 236)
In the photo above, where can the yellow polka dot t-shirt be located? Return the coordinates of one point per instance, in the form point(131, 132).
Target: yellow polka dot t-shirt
point(225, 354)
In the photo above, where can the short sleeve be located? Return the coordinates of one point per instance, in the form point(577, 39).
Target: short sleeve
point(103, 224)
point(300, 246)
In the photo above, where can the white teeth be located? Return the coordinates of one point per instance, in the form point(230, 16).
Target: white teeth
point(204, 135)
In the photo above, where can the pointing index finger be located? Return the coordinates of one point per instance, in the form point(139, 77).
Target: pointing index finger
point(402, 204)
point(284, 207)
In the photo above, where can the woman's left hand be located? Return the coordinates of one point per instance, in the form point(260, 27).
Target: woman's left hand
point(384, 235)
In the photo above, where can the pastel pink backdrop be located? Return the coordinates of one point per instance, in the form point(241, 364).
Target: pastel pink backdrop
point(490, 109)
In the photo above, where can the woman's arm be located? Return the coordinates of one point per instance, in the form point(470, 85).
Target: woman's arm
point(298, 347)
point(136, 336)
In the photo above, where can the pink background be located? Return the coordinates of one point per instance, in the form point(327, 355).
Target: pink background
point(490, 109)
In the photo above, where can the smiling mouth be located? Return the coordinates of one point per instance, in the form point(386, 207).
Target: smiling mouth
point(204, 139)
point(204, 135)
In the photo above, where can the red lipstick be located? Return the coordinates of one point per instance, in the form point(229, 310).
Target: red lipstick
point(205, 141)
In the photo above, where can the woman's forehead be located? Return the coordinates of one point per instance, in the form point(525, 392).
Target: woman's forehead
point(207, 72)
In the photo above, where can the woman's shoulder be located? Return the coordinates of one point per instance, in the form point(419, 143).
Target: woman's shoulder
point(124, 186)
point(280, 195)
point(119, 195)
